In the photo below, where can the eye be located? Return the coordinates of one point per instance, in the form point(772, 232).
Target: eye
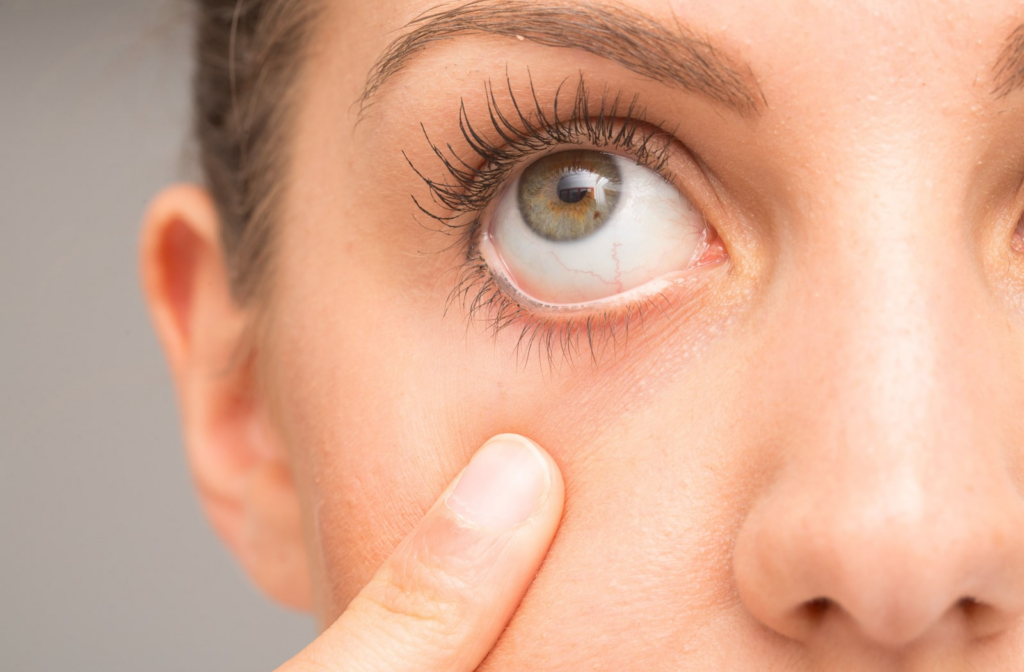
point(582, 225)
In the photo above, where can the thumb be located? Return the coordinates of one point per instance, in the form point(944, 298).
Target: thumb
point(444, 596)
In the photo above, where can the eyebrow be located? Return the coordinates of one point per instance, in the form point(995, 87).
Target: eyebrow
point(1009, 67)
point(643, 45)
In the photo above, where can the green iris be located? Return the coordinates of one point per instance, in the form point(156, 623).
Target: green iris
point(569, 195)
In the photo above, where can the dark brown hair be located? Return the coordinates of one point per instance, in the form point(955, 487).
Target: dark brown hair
point(248, 60)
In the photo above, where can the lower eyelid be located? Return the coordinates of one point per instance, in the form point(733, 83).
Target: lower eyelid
point(568, 332)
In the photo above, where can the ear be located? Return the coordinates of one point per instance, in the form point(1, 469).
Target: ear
point(238, 460)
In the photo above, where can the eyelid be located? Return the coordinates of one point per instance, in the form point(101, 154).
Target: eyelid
point(470, 186)
point(615, 127)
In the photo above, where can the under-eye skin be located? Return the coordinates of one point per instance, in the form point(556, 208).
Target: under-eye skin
point(1017, 242)
point(588, 181)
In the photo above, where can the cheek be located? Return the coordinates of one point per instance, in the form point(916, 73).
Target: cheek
point(383, 400)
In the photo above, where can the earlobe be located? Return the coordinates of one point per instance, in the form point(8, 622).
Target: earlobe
point(238, 462)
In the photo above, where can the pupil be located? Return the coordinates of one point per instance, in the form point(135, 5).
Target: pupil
point(573, 194)
point(574, 187)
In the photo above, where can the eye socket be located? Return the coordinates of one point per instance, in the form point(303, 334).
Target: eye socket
point(578, 226)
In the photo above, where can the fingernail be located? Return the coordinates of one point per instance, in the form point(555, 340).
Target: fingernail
point(503, 485)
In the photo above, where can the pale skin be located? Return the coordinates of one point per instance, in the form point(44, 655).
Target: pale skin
point(811, 457)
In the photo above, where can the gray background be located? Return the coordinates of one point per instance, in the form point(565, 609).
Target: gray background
point(106, 562)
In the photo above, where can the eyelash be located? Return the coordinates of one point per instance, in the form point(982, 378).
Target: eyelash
point(467, 190)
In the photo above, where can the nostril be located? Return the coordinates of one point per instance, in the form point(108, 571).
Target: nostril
point(974, 611)
point(969, 606)
point(816, 609)
point(981, 619)
point(812, 614)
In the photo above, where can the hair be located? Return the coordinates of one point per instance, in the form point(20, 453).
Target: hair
point(248, 55)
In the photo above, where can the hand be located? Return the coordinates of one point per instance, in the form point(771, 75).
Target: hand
point(444, 596)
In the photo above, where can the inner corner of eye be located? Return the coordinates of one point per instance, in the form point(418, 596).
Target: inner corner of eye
point(584, 225)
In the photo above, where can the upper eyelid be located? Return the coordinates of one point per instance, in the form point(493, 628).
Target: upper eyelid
point(530, 132)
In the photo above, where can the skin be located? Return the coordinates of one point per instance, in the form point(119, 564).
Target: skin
point(810, 458)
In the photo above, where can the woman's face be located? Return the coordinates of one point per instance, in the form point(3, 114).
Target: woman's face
point(796, 443)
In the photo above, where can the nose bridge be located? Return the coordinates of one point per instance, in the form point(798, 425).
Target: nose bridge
point(896, 404)
point(893, 300)
point(892, 500)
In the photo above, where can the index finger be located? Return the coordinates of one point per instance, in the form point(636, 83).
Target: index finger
point(445, 595)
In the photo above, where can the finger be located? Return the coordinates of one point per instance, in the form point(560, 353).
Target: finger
point(443, 597)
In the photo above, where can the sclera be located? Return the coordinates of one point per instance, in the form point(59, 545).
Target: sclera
point(653, 231)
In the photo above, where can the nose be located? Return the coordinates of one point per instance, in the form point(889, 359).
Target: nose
point(891, 508)
point(894, 563)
